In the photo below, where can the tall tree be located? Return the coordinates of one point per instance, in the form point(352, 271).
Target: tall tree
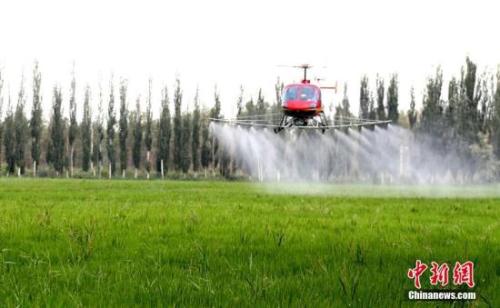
point(250, 107)
point(495, 140)
point(195, 145)
point(123, 126)
point(186, 153)
point(55, 154)
point(261, 104)
point(412, 113)
point(111, 130)
point(485, 105)
point(346, 108)
point(372, 112)
point(392, 99)
point(432, 112)
point(205, 141)
point(73, 124)
point(9, 139)
point(215, 113)
point(21, 130)
point(1, 115)
point(364, 99)
point(36, 118)
point(468, 124)
point(86, 127)
point(450, 113)
point(164, 133)
point(278, 91)
point(148, 134)
point(380, 98)
point(99, 135)
point(239, 104)
point(216, 109)
point(136, 150)
point(177, 125)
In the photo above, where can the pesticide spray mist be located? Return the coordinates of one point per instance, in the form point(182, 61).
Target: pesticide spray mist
point(382, 155)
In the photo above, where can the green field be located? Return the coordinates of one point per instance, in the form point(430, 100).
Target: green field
point(114, 243)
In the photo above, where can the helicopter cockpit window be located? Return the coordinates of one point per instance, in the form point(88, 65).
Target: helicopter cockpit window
point(290, 94)
point(308, 94)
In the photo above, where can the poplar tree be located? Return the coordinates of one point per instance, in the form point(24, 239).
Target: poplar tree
point(432, 112)
point(261, 104)
point(346, 108)
point(450, 113)
point(195, 144)
point(36, 118)
point(216, 109)
point(364, 99)
point(97, 154)
point(73, 125)
point(1, 115)
point(239, 104)
point(278, 91)
point(250, 107)
point(9, 139)
point(21, 130)
point(86, 127)
point(148, 134)
point(392, 99)
point(56, 142)
point(177, 125)
point(485, 105)
point(468, 127)
point(164, 133)
point(380, 98)
point(111, 130)
point(123, 126)
point(412, 113)
point(215, 114)
point(136, 150)
point(372, 112)
point(186, 142)
point(205, 141)
point(495, 138)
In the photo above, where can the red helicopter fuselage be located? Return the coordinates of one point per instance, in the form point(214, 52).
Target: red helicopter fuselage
point(302, 100)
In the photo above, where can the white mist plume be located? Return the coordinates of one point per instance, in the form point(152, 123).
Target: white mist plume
point(379, 155)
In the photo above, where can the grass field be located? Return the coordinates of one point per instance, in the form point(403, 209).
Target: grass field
point(114, 243)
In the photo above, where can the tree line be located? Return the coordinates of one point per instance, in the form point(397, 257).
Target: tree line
point(116, 139)
point(109, 141)
point(465, 124)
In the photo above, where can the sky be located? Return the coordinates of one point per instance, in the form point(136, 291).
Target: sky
point(233, 43)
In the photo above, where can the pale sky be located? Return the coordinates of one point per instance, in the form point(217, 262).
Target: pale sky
point(229, 43)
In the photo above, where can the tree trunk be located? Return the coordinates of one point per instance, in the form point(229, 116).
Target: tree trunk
point(34, 168)
point(109, 171)
point(135, 173)
point(18, 172)
point(71, 160)
point(162, 170)
point(148, 164)
point(123, 173)
point(213, 152)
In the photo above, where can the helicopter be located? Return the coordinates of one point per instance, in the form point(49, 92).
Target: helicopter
point(302, 108)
